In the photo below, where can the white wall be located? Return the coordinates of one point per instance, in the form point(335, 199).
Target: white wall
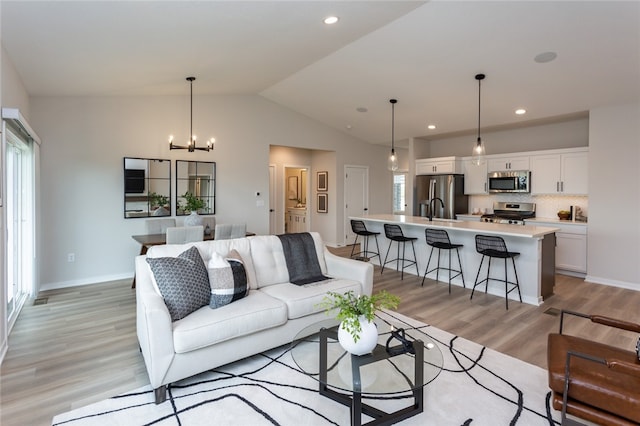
point(614, 196)
point(85, 140)
point(566, 134)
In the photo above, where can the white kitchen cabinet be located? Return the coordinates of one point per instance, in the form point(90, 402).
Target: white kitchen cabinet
point(296, 220)
point(571, 252)
point(508, 163)
point(561, 173)
point(475, 177)
point(571, 245)
point(440, 166)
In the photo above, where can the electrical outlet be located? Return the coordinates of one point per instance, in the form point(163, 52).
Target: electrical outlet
point(71, 257)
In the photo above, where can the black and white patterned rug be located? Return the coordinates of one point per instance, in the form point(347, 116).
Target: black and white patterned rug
point(478, 386)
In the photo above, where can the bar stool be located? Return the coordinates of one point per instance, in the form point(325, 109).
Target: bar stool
point(493, 246)
point(358, 228)
point(439, 239)
point(394, 233)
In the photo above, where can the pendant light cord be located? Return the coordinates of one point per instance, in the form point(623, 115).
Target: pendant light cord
point(191, 112)
point(393, 120)
point(479, 77)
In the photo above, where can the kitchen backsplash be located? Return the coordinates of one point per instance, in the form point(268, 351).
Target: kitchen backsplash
point(546, 205)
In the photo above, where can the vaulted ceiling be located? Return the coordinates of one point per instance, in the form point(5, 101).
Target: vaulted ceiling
point(425, 54)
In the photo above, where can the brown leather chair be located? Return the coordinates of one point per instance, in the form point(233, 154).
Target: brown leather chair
point(594, 381)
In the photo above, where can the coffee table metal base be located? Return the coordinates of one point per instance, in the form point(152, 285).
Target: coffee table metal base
point(355, 401)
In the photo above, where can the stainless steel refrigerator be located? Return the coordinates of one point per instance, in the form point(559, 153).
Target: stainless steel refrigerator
point(448, 188)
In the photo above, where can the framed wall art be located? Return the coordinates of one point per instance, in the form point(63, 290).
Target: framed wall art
point(322, 203)
point(323, 183)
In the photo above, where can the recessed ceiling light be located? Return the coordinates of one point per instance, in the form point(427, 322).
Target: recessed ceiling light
point(348, 127)
point(331, 20)
point(362, 109)
point(545, 57)
point(521, 111)
point(431, 126)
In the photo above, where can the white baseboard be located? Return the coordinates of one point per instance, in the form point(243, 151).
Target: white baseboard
point(85, 281)
point(613, 283)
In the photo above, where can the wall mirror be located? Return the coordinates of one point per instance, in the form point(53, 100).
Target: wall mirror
point(195, 179)
point(147, 187)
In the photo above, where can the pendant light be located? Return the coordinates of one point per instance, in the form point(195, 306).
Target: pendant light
point(392, 163)
point(191, 143)
point(478, 154)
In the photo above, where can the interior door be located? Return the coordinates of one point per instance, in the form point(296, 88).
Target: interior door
point(272, 199)
point(356, 196)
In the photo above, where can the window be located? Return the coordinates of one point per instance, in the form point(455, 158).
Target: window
point(399, 193)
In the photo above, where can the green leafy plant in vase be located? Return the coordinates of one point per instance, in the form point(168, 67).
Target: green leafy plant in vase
point(158, 200)
point(357, 333)
point(193, 203)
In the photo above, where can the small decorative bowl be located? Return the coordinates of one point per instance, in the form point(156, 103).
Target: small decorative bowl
point(563, 216)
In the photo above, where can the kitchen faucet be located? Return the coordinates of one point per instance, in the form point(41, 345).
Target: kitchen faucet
point(431, 207)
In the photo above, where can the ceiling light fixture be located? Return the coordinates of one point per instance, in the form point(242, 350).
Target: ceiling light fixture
point(521, 111)
point(431, 127)
point(478, 154)
point(331, 20)
point(392, 163)
point(191, 144)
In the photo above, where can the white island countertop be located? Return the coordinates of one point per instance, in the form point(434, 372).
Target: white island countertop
point(526, 231)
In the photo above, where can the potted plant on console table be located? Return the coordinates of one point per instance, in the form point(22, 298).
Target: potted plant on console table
point(357, 333)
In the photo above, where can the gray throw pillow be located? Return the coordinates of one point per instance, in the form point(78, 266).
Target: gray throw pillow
point(183, 282)
point(228, 279)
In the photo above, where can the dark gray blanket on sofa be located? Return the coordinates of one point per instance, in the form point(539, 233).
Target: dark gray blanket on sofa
point(301, 257)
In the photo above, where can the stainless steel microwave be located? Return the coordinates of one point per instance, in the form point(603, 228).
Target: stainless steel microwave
point(509, 181)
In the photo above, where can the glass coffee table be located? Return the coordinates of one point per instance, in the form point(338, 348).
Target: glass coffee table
point(345, 378)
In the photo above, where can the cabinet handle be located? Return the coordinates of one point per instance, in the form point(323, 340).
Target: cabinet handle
point(562, 186)
point(557, 186)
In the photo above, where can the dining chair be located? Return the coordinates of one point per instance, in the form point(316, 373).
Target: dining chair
point(227, 231)
point(184, 234)
point(159, 226)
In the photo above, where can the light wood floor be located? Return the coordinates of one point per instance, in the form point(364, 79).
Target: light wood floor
point(81, 346)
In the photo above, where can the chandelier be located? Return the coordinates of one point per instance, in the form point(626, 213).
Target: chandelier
point(191, 143)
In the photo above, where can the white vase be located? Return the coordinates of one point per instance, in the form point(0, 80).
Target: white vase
point(365, 344)
point(194, 219)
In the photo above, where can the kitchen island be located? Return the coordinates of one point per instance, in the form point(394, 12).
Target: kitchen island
point(536, 245)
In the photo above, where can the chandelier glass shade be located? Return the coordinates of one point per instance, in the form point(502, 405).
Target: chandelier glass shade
point(191, 143)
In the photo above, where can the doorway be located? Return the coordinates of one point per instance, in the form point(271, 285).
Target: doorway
point(20, 218)
point(296, 207)
point(356, 196)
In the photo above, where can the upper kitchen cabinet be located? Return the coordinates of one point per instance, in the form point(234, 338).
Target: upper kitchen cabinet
point(438, 166)
point(498, 164)
point(560, 173)
point(475, 177)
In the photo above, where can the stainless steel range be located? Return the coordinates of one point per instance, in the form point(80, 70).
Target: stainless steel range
point(510, 213)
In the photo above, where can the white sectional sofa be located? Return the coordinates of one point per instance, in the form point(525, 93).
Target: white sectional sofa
point(272, 313)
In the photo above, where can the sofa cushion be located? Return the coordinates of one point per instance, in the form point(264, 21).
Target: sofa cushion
point(205, 327)
point(268, 260)
point(227, 278)
point(182, 281)
point(303, 300)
